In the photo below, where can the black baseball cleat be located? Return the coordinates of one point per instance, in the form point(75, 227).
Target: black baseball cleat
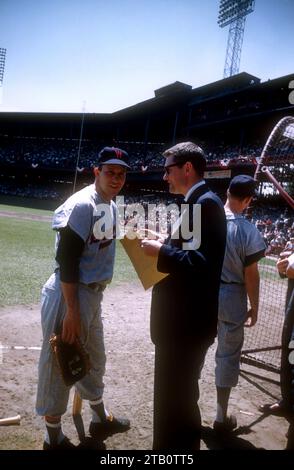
point(111, 426)
point(89, 443)
point(227, 426)
point(65, 444)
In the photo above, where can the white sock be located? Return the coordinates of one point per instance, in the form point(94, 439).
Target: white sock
point(219, 414)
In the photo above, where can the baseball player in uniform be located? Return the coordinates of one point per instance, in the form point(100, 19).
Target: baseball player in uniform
point(71, 298)
point(240, 278)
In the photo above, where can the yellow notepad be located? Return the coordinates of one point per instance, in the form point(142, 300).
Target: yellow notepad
point(145, 266)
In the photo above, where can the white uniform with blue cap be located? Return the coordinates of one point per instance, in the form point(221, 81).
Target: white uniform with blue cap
point(80, 212)
point(244, 242)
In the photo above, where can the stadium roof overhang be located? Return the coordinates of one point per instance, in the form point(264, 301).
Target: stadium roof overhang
point(223, 87)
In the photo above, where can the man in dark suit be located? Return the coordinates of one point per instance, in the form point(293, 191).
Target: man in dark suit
point(185, 303)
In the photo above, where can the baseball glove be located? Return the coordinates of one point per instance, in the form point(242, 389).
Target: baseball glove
point(72, 359)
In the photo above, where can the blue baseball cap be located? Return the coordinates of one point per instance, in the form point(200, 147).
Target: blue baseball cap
point(113, 156)
point(243, 186)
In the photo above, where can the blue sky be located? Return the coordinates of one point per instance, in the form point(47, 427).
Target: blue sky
point(111, 54)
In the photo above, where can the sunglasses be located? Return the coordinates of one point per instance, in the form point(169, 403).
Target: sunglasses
point(167, 168)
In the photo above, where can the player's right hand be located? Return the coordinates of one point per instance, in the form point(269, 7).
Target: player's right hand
point(71, 327)
point(251, 318)
point(282, 265)
point(151, 247)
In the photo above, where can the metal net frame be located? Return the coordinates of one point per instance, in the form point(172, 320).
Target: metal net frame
point(275, 174)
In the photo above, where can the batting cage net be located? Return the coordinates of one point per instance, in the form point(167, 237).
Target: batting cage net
point(274, 175)
point(262, 344)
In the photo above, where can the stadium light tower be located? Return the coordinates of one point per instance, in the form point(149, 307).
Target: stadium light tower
point(2, 64)
point(2, 67)
point(234, 12)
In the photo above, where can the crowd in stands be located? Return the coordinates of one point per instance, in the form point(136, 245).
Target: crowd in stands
point(276, 227)
point(144, 157)
point(47, 153)
point(228, 154)
point(31, 152)
point(30, 191)
point(52, 153)
point(68, 154)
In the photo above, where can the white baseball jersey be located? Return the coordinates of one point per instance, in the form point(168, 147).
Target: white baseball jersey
point(93, 219)
point(243, 241)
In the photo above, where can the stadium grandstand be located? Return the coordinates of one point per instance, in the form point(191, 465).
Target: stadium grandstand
point(230, 118)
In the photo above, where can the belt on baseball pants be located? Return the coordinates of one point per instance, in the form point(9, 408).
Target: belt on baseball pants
point(95, 286)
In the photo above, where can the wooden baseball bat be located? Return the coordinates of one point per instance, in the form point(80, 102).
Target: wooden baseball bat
point(77, 416)
point(12, 420)
point(77, 404)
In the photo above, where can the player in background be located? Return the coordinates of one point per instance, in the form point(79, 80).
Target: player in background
point(240, 278)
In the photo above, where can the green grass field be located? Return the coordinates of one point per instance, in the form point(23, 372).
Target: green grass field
point(27, 258)
point(24, 210)
point(268, 270)
point(268, 262)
